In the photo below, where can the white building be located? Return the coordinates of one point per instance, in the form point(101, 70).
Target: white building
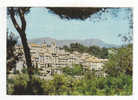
point(50, 58)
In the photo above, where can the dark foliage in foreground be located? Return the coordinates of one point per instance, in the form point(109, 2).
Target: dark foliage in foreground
point(66, 85)
point(12, 57)
point(74, 12)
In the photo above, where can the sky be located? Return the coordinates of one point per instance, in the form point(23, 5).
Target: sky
point(42, 23)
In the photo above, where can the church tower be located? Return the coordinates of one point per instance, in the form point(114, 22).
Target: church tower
point(53, 46)
point(44, 45)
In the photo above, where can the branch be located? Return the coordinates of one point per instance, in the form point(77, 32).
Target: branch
point(21, 14)
point(11, 12)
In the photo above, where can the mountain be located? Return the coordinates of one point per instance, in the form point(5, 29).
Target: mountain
point(61, 43)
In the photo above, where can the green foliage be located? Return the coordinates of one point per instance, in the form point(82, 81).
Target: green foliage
point(67, 70)
point(24, 70)
point(93, 50)
point(90, 75)
point(17, 84)
point(60, 85)
point(67, 85)
point(37, 70)
point(35, 86)
point(12, 56)
point(75, 70)
point(21, 85)
point(120, 62)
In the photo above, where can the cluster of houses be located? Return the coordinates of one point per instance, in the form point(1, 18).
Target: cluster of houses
point(50, 59)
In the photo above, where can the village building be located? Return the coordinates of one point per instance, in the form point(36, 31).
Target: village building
point(50, 59)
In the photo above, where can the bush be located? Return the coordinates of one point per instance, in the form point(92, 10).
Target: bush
point(24, 70)
point(75, 70)
point(120, 62)
point(67, 85)
point(20, 84)
point(23, 86)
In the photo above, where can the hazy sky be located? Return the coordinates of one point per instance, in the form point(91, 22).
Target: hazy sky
point(42, 23)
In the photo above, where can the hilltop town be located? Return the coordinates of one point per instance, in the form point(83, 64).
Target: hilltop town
point(50, 59)
point(69, 51)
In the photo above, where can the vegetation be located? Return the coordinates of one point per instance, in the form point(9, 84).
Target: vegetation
point(74, 12)
point(12, 58)
point(13, 12)
point(93, 50)
point(66, 85)
point(75, 70)
point(120, 62)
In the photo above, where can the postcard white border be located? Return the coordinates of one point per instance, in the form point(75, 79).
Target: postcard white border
point(63, 3)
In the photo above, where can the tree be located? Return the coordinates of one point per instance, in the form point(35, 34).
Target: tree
point(120, 62)
point(104, 53)
point(74, 12)
point(95, 50)
point(128, 39)
point(74, 71)
point(12, 12)
point(12, 58)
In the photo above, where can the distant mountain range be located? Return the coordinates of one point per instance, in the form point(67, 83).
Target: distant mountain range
point(61, 43)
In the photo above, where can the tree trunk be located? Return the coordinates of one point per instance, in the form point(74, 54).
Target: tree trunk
point(27, 53)
point(21, 31)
